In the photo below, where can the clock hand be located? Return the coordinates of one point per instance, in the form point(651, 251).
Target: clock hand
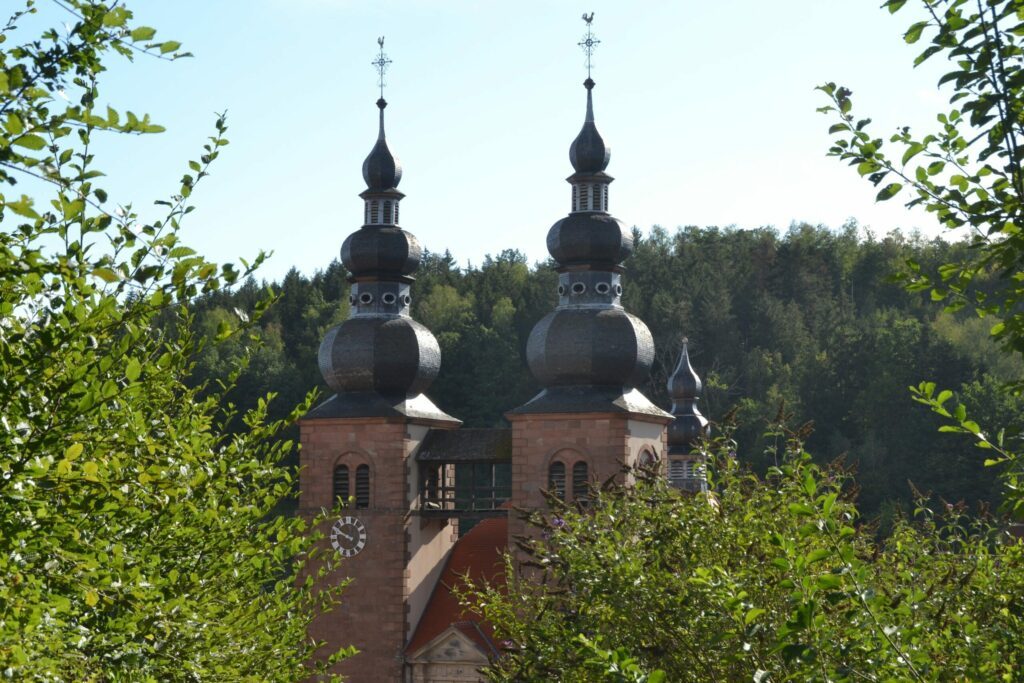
point(344, 535)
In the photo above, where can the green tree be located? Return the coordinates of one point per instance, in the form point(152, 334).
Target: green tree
point(769, 579)
point(136, 540)
point(968, 174)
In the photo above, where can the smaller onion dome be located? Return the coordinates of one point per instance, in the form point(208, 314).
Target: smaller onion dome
point(381, 251)
point(381, 170)
point(595, 239)
point(588, 153)
point(684, 387)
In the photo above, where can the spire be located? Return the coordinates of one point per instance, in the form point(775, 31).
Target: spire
point(686, 467)
point(588, 153)
point(589, 354)
point(380, 360)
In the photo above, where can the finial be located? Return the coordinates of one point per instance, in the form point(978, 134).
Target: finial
point(589, 44)
point(381, 64)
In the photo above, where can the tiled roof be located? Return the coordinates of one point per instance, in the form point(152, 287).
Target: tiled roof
point(478, 555)
point(455, 445)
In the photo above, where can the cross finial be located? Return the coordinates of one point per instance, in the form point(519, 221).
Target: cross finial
point(589, 42)
point(381, 64)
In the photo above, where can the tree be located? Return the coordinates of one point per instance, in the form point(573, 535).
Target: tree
point(136, 540)
point(968, 174)
point(770, 579)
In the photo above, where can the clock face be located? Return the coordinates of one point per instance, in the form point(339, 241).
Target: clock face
point(348, 536)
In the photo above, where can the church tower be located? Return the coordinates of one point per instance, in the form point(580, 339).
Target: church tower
point(358, 446)
point(589, 354)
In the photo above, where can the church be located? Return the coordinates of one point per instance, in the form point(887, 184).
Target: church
point(420, 503)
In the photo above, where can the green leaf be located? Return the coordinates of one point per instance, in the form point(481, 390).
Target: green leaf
point(30, 141)
point(817, 555)
point(752, 614)
point(106, 274)
point(142, 33)
point(169, 46)
point(73, 451)
point(133, 370)
point(913, 34)
point(888, 192)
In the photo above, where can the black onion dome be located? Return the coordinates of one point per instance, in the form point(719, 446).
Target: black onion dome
point(381, 170)
point(392, 356)
point(588, 153)
point(591, 238)
point(381, 251)
point(596, 347)
point(684, 387)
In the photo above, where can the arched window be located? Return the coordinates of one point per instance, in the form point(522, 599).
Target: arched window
point(584, 197)
point(374, 211)
point(647, 459)
point(341, 484)
point(363, 486)
point(595, 198)
point(579, 482)
point(556, 479)
point(387, 211)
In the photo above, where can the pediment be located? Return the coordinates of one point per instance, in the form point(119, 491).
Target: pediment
point(451, 645)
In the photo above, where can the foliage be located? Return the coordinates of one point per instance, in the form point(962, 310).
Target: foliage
point(771, 579)
point(136, 541)
point(969, 175)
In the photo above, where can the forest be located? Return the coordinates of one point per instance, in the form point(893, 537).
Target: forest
point(809, 322)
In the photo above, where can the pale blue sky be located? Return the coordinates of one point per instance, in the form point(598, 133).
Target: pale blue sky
point(709, 108)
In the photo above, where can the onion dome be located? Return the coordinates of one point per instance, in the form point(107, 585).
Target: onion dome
point(588, 153)
point(686, 467)
point(684, 387)
point(589, 354)
point(380, 360)
point(381, 170)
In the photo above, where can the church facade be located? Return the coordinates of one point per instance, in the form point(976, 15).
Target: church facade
point(402, 476)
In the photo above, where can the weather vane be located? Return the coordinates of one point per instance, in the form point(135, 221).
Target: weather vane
point(381, 64)
point(589, 42)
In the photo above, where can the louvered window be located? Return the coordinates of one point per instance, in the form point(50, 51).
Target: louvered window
point(556, 479)
point(579, 482)
point(677, 473)
point(341, 484)
point(363, 486)
point(575, 198)
point(604, 198)
point(396, 213)
point(387, 212)
point(374, 212)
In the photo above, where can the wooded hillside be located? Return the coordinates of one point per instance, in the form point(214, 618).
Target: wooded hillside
point(810, 320)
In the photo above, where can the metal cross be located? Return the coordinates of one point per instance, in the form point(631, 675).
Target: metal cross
point(381, 63)
point(589, 42)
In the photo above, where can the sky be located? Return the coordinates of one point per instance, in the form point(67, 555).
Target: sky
point(709, 108)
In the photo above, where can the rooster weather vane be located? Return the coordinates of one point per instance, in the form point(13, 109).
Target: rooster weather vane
point(381, 64)
point(589, 42)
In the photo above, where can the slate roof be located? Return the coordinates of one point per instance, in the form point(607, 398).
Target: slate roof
point(478, 555)
point(466, 445)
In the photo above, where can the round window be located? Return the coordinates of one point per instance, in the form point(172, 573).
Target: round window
point(366, 298)
point(618, 290)
point(406, 299)
point(603, 287)
point(561, 290)
point(389, 298)
point(578, 288)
